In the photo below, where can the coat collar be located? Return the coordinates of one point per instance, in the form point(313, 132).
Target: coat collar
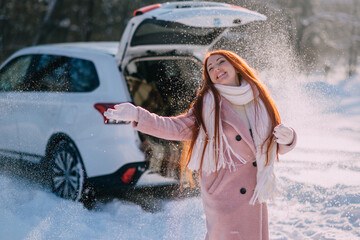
point(229, 115)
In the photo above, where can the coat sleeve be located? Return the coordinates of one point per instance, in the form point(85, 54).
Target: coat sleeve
point(177, 128)
point(285, 148)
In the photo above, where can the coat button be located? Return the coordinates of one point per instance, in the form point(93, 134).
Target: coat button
point(254, 164)
point(243, 190)
point(238, 137)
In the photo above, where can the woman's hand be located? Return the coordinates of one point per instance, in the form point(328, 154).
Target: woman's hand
point(123, 112)
point(283, 134)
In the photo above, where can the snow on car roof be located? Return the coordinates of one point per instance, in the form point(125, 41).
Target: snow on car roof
point(93, 47)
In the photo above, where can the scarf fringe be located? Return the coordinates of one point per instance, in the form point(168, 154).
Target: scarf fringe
point(266, 187)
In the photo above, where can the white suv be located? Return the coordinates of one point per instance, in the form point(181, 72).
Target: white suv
point(52, 97)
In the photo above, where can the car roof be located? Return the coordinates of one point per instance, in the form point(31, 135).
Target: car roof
point(110, 48)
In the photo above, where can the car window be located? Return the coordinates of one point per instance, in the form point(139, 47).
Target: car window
point(83, 75)
point(152, 31)
point(50, 74)
point(56, 73)
point(13, 74)
point(165, 86)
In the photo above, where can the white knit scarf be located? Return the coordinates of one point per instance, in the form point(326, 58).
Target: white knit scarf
point(260, 125)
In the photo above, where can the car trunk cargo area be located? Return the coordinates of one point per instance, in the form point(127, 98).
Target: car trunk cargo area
point(165, 85)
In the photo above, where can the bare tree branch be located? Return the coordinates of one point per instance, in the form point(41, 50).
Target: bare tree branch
point(46, 23)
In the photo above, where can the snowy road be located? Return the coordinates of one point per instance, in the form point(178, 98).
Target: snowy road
point(320, 181)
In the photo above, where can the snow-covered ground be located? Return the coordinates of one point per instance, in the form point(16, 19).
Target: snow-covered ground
point(320, 182)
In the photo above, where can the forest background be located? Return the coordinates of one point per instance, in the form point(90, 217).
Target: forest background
point(323, 33)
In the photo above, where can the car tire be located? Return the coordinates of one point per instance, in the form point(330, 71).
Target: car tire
point(67, 173)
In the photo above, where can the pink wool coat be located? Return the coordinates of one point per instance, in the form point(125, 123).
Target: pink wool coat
point(225, 194)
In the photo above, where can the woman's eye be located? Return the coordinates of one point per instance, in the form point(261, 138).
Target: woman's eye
point(210, 69)
point(221, 61)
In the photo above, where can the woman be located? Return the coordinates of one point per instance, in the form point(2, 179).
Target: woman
point(234, 134)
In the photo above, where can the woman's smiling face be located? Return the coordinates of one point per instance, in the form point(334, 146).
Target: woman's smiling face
point(221, 71)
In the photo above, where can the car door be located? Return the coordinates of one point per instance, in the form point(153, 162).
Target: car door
point(40, 104)
point(205, 14)
point(12, 76)
point(184, 26)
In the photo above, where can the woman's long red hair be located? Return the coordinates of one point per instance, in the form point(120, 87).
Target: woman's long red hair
point(247, 74)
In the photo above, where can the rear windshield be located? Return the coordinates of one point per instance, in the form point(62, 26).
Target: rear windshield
point(152, 31)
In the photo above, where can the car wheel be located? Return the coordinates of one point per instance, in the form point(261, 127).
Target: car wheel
point(66, 171)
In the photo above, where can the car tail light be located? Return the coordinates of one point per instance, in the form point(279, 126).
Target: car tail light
point(146, 9)
point(128, 175)
point(102, 107)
